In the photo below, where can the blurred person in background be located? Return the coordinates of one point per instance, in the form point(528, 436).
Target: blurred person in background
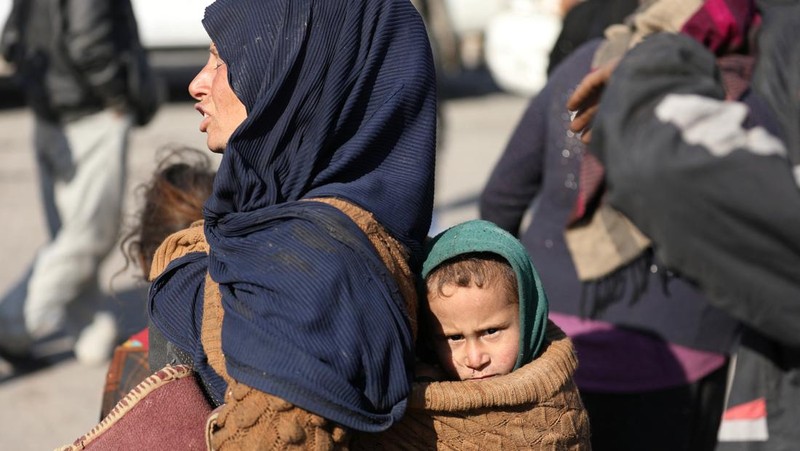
point(653, 352)
point(73, 60)
point(702, 150)
point(586, 20)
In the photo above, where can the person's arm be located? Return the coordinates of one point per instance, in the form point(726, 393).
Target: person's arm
point(718, 199)
point(89, 38)
point(517, 176)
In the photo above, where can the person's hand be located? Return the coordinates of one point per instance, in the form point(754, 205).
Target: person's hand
point(584, 102)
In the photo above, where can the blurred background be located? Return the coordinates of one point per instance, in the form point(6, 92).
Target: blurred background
point(511, 39)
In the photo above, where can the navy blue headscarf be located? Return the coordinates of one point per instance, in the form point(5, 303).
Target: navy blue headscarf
point(340, 96)
point(341, 102)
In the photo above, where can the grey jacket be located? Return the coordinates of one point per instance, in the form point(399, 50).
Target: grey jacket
point(716, 185)
point(70, 54)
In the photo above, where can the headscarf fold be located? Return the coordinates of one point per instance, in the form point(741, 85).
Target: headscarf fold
point(340, 96)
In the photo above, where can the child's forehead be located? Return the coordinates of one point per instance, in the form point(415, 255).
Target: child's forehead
point(472, 262)
point(447, 291)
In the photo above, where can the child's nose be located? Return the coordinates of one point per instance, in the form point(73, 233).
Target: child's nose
point(476, 357)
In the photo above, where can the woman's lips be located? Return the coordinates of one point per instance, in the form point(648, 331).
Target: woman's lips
point(206, 118)
point(204, 123)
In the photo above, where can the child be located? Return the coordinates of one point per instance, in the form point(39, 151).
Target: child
point(171, 201)
point(476, 322)
point(486, 319)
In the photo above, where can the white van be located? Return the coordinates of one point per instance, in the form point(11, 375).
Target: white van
point(171, 24)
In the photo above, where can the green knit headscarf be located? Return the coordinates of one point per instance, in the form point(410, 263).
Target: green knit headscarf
point(484, 236)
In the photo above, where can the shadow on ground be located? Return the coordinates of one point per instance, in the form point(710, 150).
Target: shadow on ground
point(128, 305)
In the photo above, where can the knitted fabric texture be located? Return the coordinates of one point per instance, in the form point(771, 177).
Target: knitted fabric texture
point(192, 242)
point(345, 289)
point(484, 236)
point(254, 420)
point(211, 330)
point(177, 245)
point(535, 407)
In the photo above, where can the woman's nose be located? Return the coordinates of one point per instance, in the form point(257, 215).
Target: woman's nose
point(200, 85)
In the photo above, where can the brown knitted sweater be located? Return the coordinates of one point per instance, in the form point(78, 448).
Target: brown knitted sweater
point(534, 407)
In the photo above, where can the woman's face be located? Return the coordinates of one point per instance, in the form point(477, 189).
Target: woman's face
point(222, 111)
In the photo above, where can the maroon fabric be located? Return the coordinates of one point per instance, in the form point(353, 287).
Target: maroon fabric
point(724, 26)
point(736, 72)
point(590, 184)
point(173, 416)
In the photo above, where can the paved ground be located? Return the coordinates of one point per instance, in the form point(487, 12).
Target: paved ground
point(54, 401)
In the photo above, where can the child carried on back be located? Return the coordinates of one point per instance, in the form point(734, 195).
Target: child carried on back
point(507, 369)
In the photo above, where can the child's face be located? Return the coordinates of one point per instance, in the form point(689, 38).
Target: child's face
point(475, 331)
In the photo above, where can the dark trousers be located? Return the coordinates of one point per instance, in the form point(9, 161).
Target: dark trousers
point(685, 418)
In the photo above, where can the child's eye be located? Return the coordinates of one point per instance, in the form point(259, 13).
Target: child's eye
point(455, 337)
point(492, 331)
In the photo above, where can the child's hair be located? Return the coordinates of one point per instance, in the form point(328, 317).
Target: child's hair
point(171, 201)
point(480, 269)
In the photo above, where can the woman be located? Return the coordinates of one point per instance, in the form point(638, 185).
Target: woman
point(294, 301)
